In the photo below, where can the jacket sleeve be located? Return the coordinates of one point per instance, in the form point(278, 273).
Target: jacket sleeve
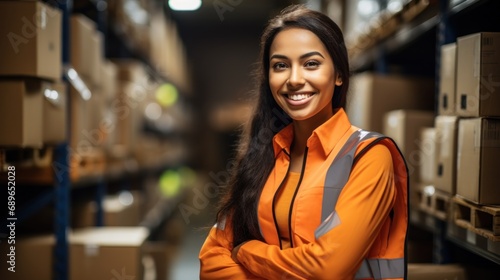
point(215, 257)
point(362, 208)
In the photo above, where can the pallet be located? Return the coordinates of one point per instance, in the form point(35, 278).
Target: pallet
point(434, 202)
point(478, 243)
point(483, 220)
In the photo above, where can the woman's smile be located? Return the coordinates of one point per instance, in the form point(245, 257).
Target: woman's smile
point(299, 98)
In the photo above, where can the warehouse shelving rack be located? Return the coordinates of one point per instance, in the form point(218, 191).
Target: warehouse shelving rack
point(416, 49)
point(61, 186)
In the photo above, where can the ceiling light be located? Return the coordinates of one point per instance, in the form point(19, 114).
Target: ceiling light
point(184, 5)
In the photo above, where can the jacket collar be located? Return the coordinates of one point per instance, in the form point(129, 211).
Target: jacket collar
point(325, 137)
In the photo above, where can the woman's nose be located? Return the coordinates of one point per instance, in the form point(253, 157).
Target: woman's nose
point(296, 78)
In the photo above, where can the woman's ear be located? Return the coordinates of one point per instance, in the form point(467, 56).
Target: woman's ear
point(338, 81)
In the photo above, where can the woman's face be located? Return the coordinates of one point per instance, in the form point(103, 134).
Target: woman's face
point(302, 75)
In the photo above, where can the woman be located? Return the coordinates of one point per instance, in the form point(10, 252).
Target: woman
point(318, 199)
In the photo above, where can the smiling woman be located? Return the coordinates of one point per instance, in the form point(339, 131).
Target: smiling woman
point(320, 199)
point(302, 77)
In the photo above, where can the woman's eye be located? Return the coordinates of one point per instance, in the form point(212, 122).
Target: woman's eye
point(312, 64)
point(279, 66)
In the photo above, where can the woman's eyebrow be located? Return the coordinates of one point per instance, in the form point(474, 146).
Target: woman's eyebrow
point(280, 56)
point(311, 54)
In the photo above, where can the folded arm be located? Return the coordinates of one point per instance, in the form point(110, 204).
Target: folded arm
point(362, 209)
point(215, 258)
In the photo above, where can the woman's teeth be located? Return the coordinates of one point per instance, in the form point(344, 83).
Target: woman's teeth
point(298, 97)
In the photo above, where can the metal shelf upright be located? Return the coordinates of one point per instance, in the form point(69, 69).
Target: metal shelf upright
point(62, 183)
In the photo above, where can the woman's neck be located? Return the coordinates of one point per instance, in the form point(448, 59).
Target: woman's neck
point(301, 133)
point(302, 130)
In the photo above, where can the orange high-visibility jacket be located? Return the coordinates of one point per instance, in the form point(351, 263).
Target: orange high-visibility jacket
point(349, 214)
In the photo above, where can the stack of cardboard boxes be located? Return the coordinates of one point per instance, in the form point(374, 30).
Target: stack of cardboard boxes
point(153, 35)
point(456, 151)
point(469, 144)
point(477, 103)
point(84, 75)
point(32, 96)
point(460, 154)
point(467, 128)
point(107, 97)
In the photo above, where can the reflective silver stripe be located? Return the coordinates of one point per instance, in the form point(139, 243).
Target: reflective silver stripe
point(337, 176)
point(381, 268)
point(332, 221)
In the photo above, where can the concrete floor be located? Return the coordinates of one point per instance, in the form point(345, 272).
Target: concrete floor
point(185, 265)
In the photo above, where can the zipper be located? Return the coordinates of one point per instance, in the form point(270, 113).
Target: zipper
point(275, 198)
point(293, 198)
point(292, 202)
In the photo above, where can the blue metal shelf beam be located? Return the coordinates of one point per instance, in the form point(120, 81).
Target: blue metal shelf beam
point(61, 202)
point(61, 154)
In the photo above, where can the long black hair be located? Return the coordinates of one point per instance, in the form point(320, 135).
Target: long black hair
point(256, 156)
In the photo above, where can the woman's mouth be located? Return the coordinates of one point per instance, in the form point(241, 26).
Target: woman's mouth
point(299, 97)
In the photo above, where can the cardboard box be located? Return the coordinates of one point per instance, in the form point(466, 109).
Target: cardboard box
point(29, 265)
point(97, 57)
point(107, 253)
point(404, 127)
point(109, 73)
point(31, 40)
point(447, 79)
point(21, 112)
point(478, 75)
point(123, 209)
point(372, 95)
point(478, 160)
point(97, 126)
point(446, 153)
point(79, 108)
point(427, 155)
point(86, 49)
point(54, 114)
point(109, 129)
point(95, 253)
point(128, 116)
point(159, 39)
point(436, 271)
point(130, 70)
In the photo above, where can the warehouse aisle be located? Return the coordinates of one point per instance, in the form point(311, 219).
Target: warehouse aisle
point(185, 265)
